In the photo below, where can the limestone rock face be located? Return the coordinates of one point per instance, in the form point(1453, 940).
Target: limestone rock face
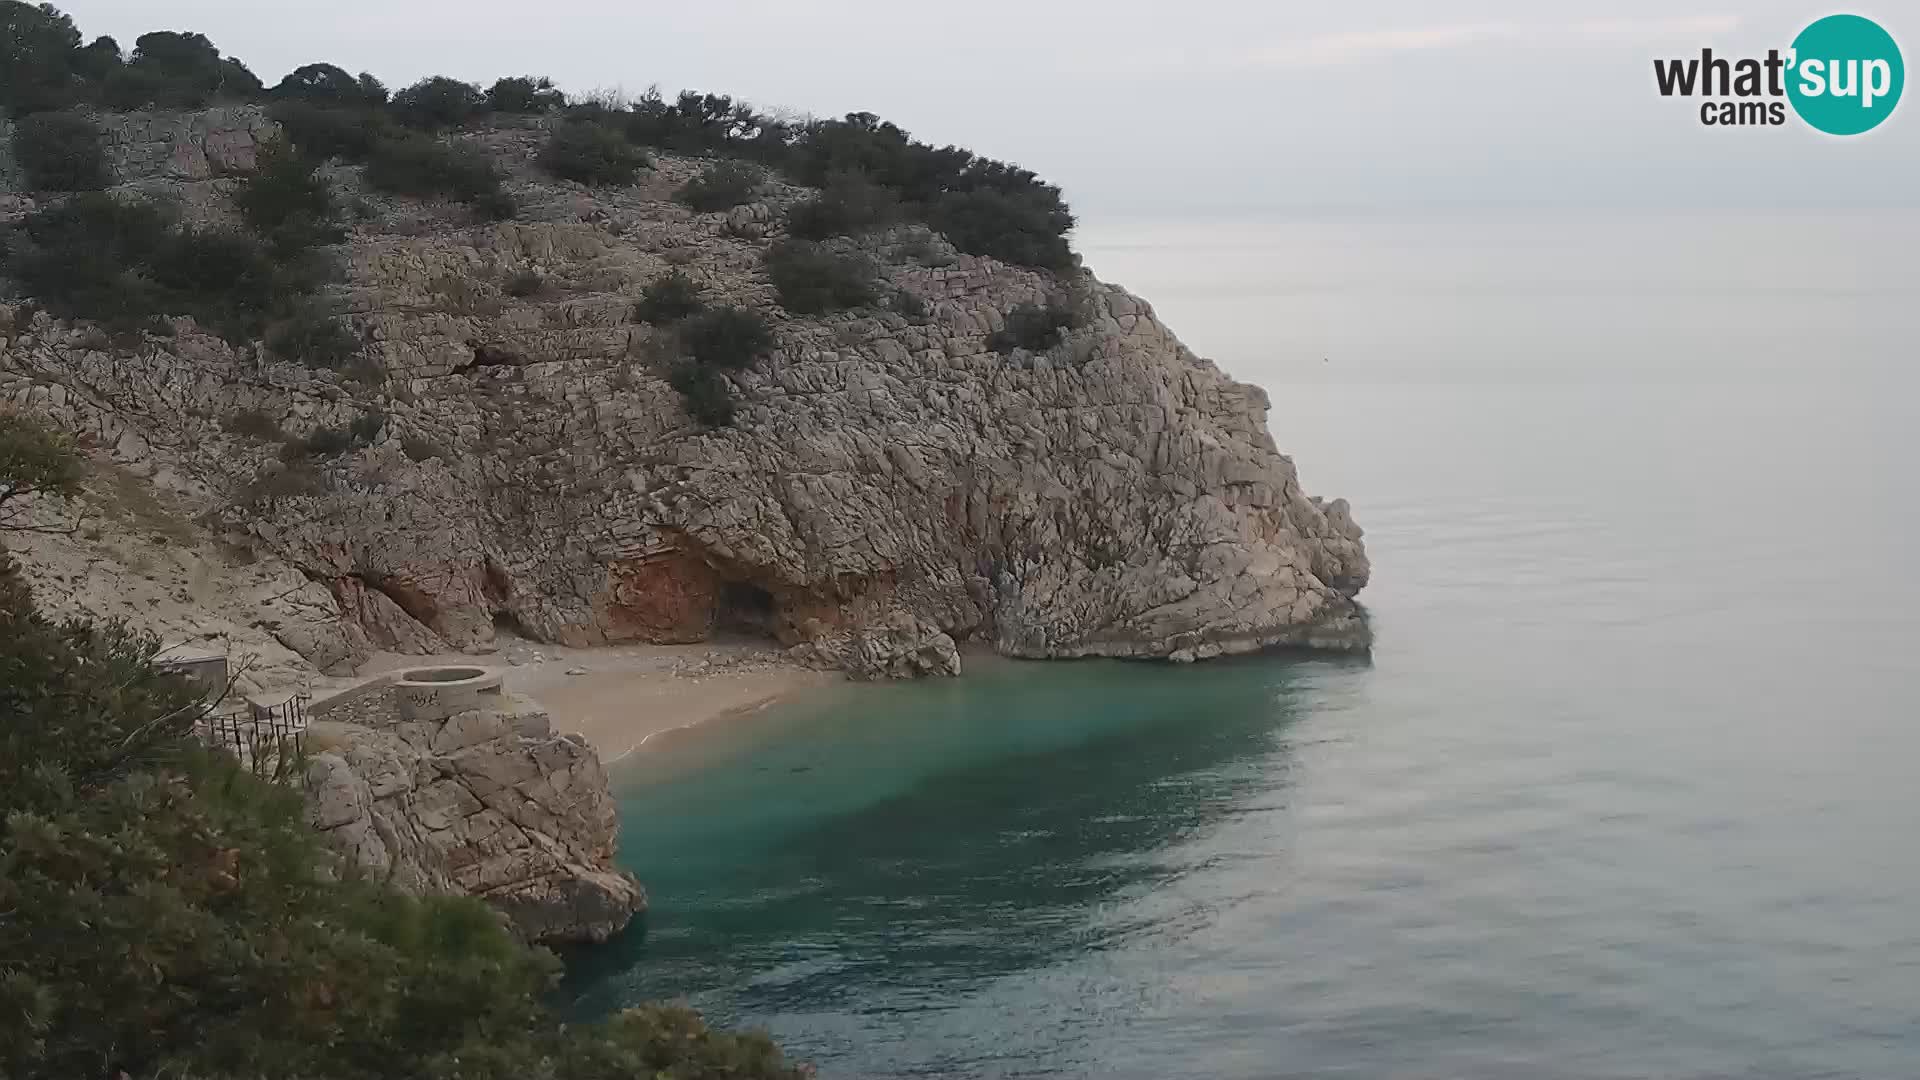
point(901, 646)
point(484, 803)
point(891, 485)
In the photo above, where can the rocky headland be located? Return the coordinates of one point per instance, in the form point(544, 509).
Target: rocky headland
point(890, 485)
point(512, 456)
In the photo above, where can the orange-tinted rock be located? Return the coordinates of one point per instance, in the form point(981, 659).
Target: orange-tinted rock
point(669, 598)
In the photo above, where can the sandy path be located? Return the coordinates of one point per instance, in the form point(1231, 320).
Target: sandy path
point(620, 696)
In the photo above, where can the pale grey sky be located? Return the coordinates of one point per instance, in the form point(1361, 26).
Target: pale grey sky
point(1145, 108)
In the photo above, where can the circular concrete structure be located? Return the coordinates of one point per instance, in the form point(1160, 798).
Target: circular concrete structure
point(435, 693)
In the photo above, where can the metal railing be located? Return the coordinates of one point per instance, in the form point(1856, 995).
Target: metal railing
point(266, 738)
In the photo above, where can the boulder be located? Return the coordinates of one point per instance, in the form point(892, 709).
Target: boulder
point(487, 803)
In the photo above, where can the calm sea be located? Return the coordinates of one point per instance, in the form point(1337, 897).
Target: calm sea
point(1630, 787)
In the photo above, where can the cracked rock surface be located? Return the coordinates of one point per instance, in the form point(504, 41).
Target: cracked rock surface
point(891, 485)
point(487, 803)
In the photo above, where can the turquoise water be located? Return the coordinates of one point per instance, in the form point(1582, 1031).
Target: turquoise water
point(1626, 790)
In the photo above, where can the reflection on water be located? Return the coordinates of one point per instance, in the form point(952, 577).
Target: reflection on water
point(1627, 791)
point(886, 845)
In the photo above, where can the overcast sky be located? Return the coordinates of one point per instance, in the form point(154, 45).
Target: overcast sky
point(1151, 108)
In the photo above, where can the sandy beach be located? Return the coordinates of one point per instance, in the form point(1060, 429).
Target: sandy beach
point(620, 696)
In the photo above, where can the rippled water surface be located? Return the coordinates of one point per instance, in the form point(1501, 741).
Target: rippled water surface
point(1627, 789)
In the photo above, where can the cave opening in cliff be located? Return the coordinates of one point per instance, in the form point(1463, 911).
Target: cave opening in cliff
point(505, 625)
point(746, 608)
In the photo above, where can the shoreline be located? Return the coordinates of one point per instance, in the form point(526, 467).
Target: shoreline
point(619, 697)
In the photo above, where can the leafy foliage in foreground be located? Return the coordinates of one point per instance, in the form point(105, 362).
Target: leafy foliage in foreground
point(165, 912)
point(35, 462)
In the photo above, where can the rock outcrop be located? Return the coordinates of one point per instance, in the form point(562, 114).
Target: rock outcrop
point(485, 802)
point(891, 485)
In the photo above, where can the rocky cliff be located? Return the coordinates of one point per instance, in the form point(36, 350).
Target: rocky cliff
point(890, 486)
point(486, 802)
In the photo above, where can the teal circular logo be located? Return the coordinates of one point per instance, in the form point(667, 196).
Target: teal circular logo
point(1846, 75)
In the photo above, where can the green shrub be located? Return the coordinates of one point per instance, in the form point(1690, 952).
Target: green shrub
point(35, 460)
point(849, 205)
point(288, 204)
point(525, 94)
point(429, 169)
point(525, 283)
point(325, 84)
point(38, 47)
point(314, 335)
point(668, 298)
point(985, 207)
point(696, 123)
point(177, 71)
point(82, 259)
point(323, 131)
point(165, 911)
point(1036, 327)
point(704, 392)
point(224, 279)
point(811, 280)
point(729, 338)
point(61, 152)
point(722, 186)
point(438, 103)
point(1023, 229)
point(254, 424)
point(590, 153)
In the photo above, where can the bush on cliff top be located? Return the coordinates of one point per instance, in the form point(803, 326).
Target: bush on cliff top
point(44, 67)
point(170, 913)
point(438, 103)
point(722, 186)
point(325, 84)
point(696, 123)
point(525, 94)
point(849, 204)
point(591, 153)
